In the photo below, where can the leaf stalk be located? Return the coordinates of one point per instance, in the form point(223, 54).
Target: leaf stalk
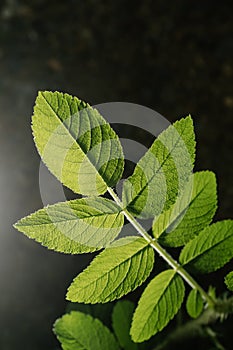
point(162, 252)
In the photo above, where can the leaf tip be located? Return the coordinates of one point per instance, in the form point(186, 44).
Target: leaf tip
point(41, 94)
point(15, 225)
point(70, 295)
point(188, 118)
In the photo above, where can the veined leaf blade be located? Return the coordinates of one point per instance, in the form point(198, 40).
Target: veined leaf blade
point(158, 304)
point(79, 331)
point(211, 249)
point(116, 271)
point(77, 226)
point(76, 143)
point(191, 213)
point(162, 172)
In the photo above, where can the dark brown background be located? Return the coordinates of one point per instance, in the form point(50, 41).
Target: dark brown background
point(175, 57)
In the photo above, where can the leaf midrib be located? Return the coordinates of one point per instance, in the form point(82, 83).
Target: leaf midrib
point(160, 167)
point(69, 134)
point(74, 219)
point(209, 248)
point(184, 210)
point(123, 262)
point(164, 291)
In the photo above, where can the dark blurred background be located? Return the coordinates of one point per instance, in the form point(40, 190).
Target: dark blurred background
point(174, 57)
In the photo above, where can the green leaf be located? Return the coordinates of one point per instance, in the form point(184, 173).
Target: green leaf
point(158, 304)
point(194, 304)
point(101, 311)
point(116, 271)
point(193, 211)
point(162, 172)
point(121, 321)
point(229, 281)
point(80, 331)
point(77, 226)
point(76, 143)
point(211, 249)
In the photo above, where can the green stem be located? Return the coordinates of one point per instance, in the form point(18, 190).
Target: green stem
point(161, 251)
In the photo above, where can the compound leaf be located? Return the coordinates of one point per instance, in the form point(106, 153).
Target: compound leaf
point(193, 211)
point(79, 331)
point(121, 321)
point(211, 249)
point(194, 304)
point(77, 226)
point(76, 143)
point(162, 172)
point(229, 281)
point(116, 271)
point(158, 304)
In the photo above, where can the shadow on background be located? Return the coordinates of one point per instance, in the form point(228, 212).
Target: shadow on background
point(175, 58)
